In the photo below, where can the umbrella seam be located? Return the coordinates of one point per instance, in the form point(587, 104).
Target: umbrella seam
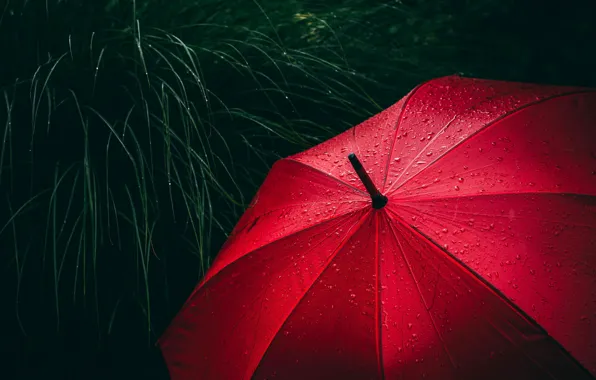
point(443, 344)
point(438, 213)
point(397, 125)
point(500, 295)
point(466, 269)
point(348, 236)
point(378, 311)
point(204, 282)
point(486, 127)
point(335, 179)
point(414, 199)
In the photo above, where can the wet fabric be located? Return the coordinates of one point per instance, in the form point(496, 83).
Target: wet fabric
point(482, 264)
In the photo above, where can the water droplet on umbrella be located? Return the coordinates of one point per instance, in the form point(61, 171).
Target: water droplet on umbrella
point(409, 325)
point(460, 179)
point(429, 153)
point(353, 295)
point(456, 188)
point(396, 159)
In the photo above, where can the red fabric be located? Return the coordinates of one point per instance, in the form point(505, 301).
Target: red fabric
point(481, 265)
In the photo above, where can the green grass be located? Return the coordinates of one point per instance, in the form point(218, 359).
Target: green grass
point(118, 126)
point(135, 132)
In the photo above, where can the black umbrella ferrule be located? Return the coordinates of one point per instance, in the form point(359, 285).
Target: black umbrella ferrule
point(378, 200)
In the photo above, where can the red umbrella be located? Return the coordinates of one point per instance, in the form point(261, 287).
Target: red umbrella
point(475, 258)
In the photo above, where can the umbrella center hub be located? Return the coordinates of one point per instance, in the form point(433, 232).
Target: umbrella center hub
point(379, 201)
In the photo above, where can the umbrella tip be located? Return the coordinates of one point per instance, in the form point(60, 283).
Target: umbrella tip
point(378, 199)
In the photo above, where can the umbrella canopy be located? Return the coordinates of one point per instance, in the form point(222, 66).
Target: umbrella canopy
point(459, 241)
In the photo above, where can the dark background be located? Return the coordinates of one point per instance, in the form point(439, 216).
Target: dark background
point(129, 247)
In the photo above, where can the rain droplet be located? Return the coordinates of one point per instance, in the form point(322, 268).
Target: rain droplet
point(353, 295)
point(429, 153)
point(396, 159)
point(456, 188)
point(460, 179)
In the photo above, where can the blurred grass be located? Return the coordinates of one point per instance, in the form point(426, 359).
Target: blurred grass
point(135, 132)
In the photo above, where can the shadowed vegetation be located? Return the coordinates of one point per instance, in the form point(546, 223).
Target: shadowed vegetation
point(134, 133)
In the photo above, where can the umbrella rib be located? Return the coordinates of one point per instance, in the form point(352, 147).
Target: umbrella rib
point(347, 237)
point(433, 321)
point(335, 179)
point(443, 344)
point(378, 317)
point(415, 199)
point(499, 295)
point(397, 125)
point(444, 215)
point(415, 159)
point(206, 280)
point(299, 205)
point(488, 320)
point(412, 205)
point(486, 127)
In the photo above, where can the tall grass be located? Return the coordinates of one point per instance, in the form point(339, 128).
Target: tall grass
point(133, 139)
point(135, 132)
